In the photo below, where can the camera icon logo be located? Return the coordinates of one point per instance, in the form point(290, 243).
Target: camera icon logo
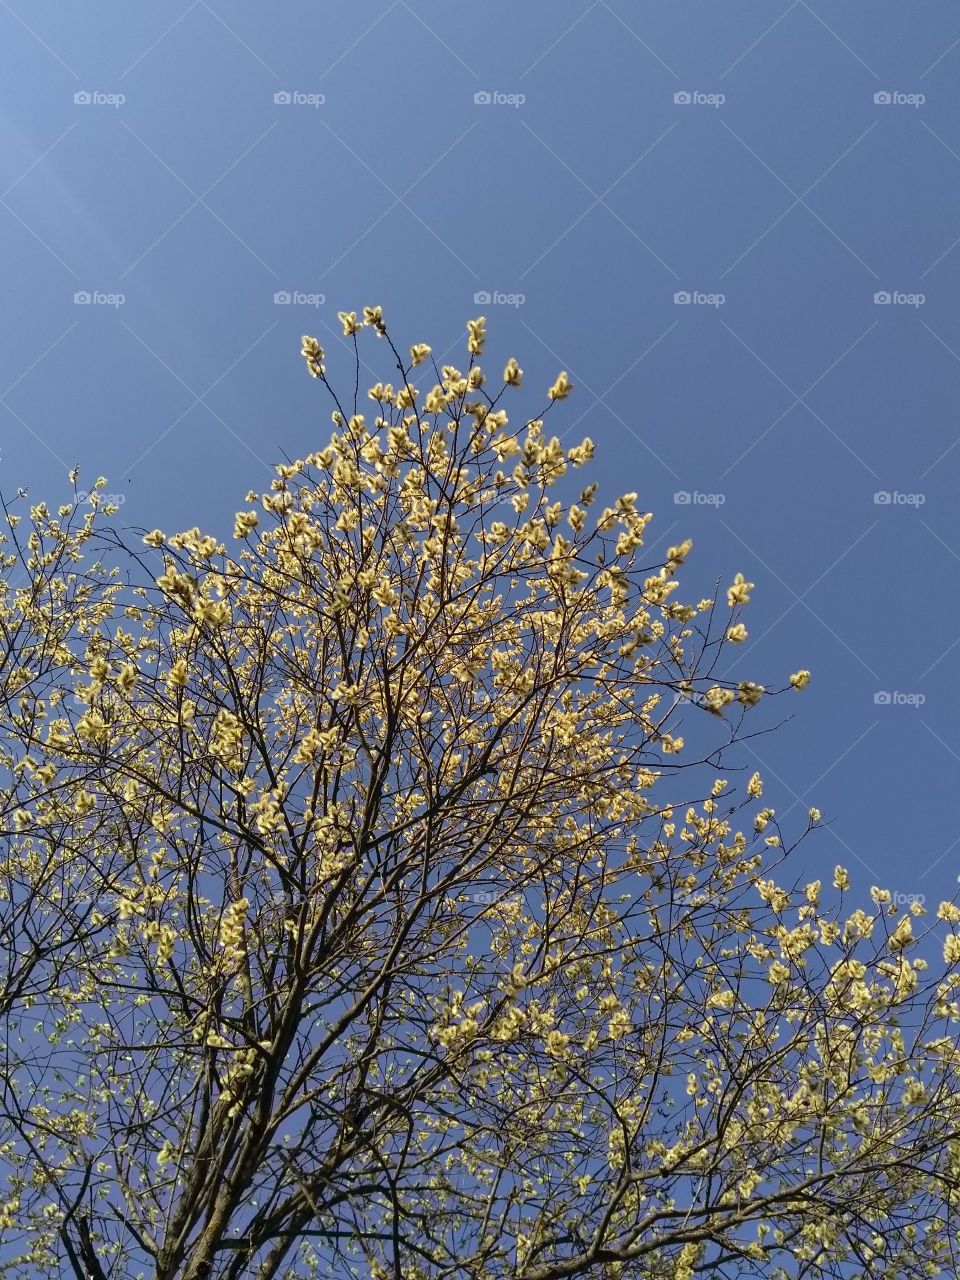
point(882, 298)
point(482, 298)
point(82, 99)
point(882, 99)
point(483, 98)
point(881, 698)
point(882, 497)
point(682, 298)
point(283, 98)
point(682, 98)
point(682, 497)
point(82, 298)
point(281, 298)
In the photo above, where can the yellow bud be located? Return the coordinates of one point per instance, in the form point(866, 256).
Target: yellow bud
point(562, 387)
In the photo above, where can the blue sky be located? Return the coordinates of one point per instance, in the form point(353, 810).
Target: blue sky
point(618, 155)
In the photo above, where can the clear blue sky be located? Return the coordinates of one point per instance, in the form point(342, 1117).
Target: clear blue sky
point(597, 197)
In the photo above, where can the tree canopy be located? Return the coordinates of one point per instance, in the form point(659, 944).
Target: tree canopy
point(381, 893)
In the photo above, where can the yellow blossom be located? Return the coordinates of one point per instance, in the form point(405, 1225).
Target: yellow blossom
point(749, 693)
point(716, 698)
point(561, 388)
point(902, 936)
point(512, 373)
point(373, 316)
point(557, 1044)
point(312, 352)
point(177, 676)
point(739, 593)
point(477, 333)
point(244, 523)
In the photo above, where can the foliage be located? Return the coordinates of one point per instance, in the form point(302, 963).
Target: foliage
point(363, 909)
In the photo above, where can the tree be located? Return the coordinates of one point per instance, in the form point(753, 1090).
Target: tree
point(365, 912)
